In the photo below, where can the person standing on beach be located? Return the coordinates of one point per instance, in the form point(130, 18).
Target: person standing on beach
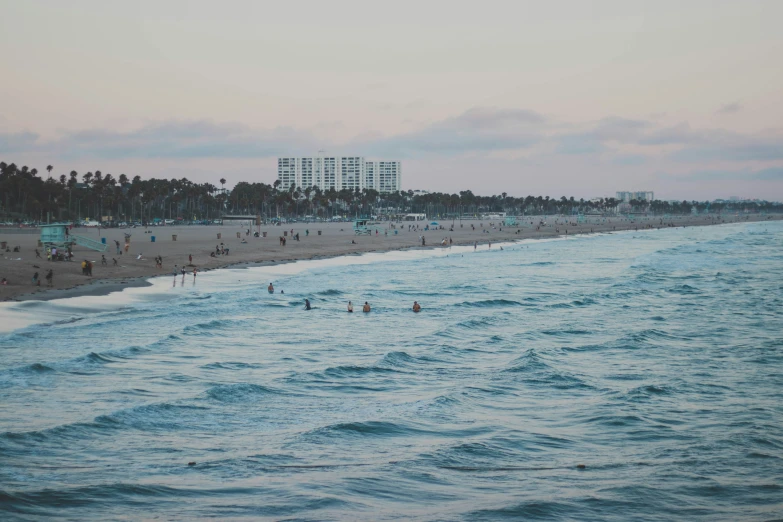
point(35, 280)
point(49, 277)
point(366, 308)
point(190, 259)
point(350, 307)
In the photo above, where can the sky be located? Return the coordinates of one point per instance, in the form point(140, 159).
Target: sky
point(576, 98)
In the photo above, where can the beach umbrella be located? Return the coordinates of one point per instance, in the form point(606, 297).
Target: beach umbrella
point(434, 223)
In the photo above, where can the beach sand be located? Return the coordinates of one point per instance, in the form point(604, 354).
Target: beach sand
point(198, 241)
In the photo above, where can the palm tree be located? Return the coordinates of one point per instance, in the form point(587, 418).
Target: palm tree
point(49, 170)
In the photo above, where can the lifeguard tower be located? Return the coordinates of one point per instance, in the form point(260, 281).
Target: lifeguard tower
point(57, 235)
point(360, 227)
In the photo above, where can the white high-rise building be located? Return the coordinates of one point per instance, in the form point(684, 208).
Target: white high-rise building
point(644, 195)
point(339, 172)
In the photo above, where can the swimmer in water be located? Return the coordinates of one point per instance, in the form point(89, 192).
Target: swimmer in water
point(366, 308)
point(307, 304)
point(416, 307)
point(270, 289)
point(350, 307)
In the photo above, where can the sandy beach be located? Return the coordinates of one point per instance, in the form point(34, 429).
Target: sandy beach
point(335, 239)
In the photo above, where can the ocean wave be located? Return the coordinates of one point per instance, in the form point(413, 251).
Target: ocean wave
point(532, 369)
point(405, 360)
point(477, 324)
point(9, 375)
point(229, 365)
point(107, 494)
point(164, 416)
point(528, 361)
point(71, 432)
point(331, 292)
point(241, 392)
point(645, 393)
point(565, 332)
point(213, 327)
point(355, 371)
point(365, 429)
point(489, 303)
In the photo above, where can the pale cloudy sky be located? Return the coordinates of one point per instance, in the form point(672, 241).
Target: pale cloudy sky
point(555, 98)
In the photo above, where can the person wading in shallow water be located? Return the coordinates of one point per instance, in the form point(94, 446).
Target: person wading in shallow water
point(307, 304)
point(350, 307)
point(416, 307)
point(270, 289)
point(366, 308)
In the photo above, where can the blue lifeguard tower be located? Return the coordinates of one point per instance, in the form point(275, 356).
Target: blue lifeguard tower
point(56, 234)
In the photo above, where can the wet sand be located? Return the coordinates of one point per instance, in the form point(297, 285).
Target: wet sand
point(198, 241)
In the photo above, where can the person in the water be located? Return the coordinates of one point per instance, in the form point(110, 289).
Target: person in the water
point(366, 308)
point(350, 307)
point(307, 304)
point(270, 288)
point(416, 306)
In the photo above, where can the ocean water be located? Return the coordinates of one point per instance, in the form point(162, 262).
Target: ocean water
point(654, 359)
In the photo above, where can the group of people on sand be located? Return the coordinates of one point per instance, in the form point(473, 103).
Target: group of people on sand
point(366, 308)
point(37, 282)
point(220, 250)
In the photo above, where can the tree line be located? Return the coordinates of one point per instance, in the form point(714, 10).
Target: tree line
point(26, 195)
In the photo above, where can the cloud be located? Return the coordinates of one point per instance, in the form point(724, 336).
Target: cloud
point(735, 148)
point(678, 135)
point(629, 159)
point(481, 130)
point(731, 108)
point(768, 174)
point(172, 139)
point(579, 144)
point(17, 142)
point(596, 136)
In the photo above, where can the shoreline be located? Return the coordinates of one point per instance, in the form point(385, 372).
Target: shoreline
point(100, 285)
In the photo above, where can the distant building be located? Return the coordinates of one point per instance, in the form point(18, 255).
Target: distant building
point(644, 195)
point(339, 172)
